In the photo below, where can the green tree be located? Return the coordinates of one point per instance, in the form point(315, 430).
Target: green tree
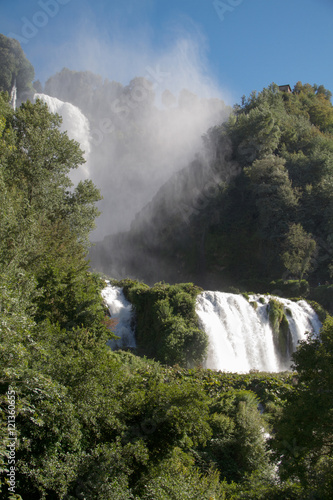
point(39, 166)
point(300, 250)
point(254, 134)
point(304, 439)
point(273, 195)
point(314, 102)
point(177, 477)
point(237, 446)
point(14, 66)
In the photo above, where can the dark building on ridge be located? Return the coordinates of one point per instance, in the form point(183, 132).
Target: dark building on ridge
point(285, 88)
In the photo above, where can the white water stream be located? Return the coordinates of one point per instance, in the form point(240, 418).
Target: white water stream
point(122, 312)
point(13, 96)
point(240, 335)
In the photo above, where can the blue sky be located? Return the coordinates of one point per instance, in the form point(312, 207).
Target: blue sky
point(224, 47)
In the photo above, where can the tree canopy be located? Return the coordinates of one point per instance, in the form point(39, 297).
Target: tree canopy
point(14, 66)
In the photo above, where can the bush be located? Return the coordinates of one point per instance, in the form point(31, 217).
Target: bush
point(290, 288)
point(167, 325)
point(324, 296)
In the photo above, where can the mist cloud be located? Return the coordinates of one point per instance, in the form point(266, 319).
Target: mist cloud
point(144, 130)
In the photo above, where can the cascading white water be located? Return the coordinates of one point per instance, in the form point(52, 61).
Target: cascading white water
point(75, 123)
point(13, 96)
point(240, 335)
point(239, 331)
point(122, 312)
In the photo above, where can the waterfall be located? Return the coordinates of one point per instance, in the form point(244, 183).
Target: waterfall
point(13, 96)
point(122, 312)
point(75, 123)
point(240, 334)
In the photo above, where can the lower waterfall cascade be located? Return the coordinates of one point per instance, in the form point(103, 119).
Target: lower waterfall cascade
point(240, 334)
point(122, 312)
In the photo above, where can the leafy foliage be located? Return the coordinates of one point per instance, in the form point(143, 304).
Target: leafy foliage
point(167, 325)
point(45, 286)
point(273, 194)
point(14, 66)
point(304, 437)
point(301, 248)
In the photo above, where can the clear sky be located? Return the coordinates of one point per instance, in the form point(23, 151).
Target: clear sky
point(229, 47)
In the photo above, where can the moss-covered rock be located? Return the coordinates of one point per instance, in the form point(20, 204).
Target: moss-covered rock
point(167, 326)
point(280, 326)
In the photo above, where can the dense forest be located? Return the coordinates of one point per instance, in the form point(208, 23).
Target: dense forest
point(261, 191)
point(79, 421)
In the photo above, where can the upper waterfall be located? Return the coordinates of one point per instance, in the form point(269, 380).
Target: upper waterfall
point(13, 96)
point(74, 122)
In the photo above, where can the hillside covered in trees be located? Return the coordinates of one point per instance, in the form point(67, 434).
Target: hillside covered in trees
point(255, 207)
point(81, 421)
